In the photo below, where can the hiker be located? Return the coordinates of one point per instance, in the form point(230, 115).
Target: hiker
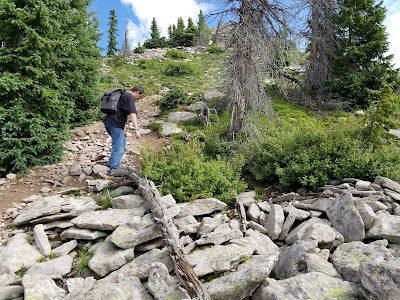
point(115, 124)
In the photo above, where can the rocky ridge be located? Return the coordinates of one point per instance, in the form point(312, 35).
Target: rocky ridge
point(342, 243)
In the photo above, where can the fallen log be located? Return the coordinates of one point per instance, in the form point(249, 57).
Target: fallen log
point(183, 270)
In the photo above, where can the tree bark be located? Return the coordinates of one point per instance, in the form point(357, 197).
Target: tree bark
point(183, 269)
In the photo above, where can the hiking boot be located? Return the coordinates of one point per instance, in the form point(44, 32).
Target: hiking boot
point(119, 172)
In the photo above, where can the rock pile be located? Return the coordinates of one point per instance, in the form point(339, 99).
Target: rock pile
point(344, 244)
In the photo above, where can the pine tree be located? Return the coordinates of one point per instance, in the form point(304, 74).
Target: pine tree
point(112, 34)
point(190, 34)
point(178, 33)
point(155, 41)
point(48, 67)
point(360, 66)
point(203, 32)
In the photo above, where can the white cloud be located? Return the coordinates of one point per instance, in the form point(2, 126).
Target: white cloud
point(392, 23)
point(165, 12)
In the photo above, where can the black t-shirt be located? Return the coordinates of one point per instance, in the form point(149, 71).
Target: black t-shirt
point(126, 106)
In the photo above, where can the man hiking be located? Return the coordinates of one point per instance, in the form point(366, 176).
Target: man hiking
point(115, 125)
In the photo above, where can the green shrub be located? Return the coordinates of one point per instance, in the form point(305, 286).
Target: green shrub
point(172, 99)
point(139, 49)
point(176, 68)
point(215, 49)
point(116, 61)
point(187, 174)
point(176, 54)
point(308, 153)
point(146, 63)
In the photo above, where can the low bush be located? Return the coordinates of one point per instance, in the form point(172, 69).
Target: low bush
point(177, 68)
point(215, 49)
point(187, 174)
point(310, 153)
point(176, 54)
point(172, 99)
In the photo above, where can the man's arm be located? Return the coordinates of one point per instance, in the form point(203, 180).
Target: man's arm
point(133, 118)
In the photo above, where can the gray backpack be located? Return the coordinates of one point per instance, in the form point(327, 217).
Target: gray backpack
point(109, 101)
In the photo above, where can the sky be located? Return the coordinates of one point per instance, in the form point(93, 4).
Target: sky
point(137, 15)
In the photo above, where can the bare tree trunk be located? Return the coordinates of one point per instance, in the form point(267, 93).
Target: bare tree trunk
point(183, 269)
point(319, 69)
point(125, 49)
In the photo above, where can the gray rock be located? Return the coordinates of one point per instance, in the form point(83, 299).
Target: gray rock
point(208, 224)
point(312, 285)
point(65, 248)
point(106, 219)
point(221, 234)
point(367, 214)
point(265, 206)
point(129, 202)
point(18, 254)
point(196, 106)
point(182, 116)
point(122, 190)
point(77, 286)
point(256, 226)
point(200, 207)
point(127, 288)
point(81, 234)
point(11, 292)
point(381, 278)
point(315, 229)
point(137, 231)
point(289, 221)
point(253, 212)
point(387, 226)
point(54, 268)
point(98, 184)
point(41, 240)
point(242, 283)
point(318, 204)
point(163, 286)
point(9, 278)
point(218, 259)
point(299, 214)
point(57, 224)
point(41, 287)
point(362, 185)
point(187, 225)
point(387, 183)
point(139, 267)
point(107, 258)
point(168, 200)
point(395, 196)
point(291, 260)
point(153, 244)
point(75, 169)
point(169, 128)
point(246, 198)
point(316, 263)
point(99, 169)
point(40, 207)
point(346, 219)
point(275, 221)
point(348, 257)
point(394, 249)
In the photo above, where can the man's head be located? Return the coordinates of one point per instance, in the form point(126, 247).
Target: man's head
point(137, 91)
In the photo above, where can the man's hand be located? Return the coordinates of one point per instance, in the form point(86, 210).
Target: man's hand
point(137, 133)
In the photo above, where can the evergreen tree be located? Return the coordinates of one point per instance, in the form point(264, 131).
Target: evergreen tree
point(190, 34)
point(178, 33)
point(48, 67)
point(155, 41)
point(360, 66)
point(112, 34)
point(203, 32)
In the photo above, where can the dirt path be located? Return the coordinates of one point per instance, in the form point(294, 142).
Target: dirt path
point(53, 178)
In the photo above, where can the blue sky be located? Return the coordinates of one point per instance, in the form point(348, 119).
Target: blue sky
point(137, 15)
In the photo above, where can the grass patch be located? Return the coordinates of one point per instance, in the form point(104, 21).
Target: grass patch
point(84, 256)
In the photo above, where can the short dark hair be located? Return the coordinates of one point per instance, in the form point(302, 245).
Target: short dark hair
point(138, 88)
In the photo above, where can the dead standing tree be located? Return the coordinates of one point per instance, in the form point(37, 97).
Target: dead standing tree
point(254, 22)
point(322, 43)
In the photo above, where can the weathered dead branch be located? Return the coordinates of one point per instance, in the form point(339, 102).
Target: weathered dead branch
point(183, 269)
